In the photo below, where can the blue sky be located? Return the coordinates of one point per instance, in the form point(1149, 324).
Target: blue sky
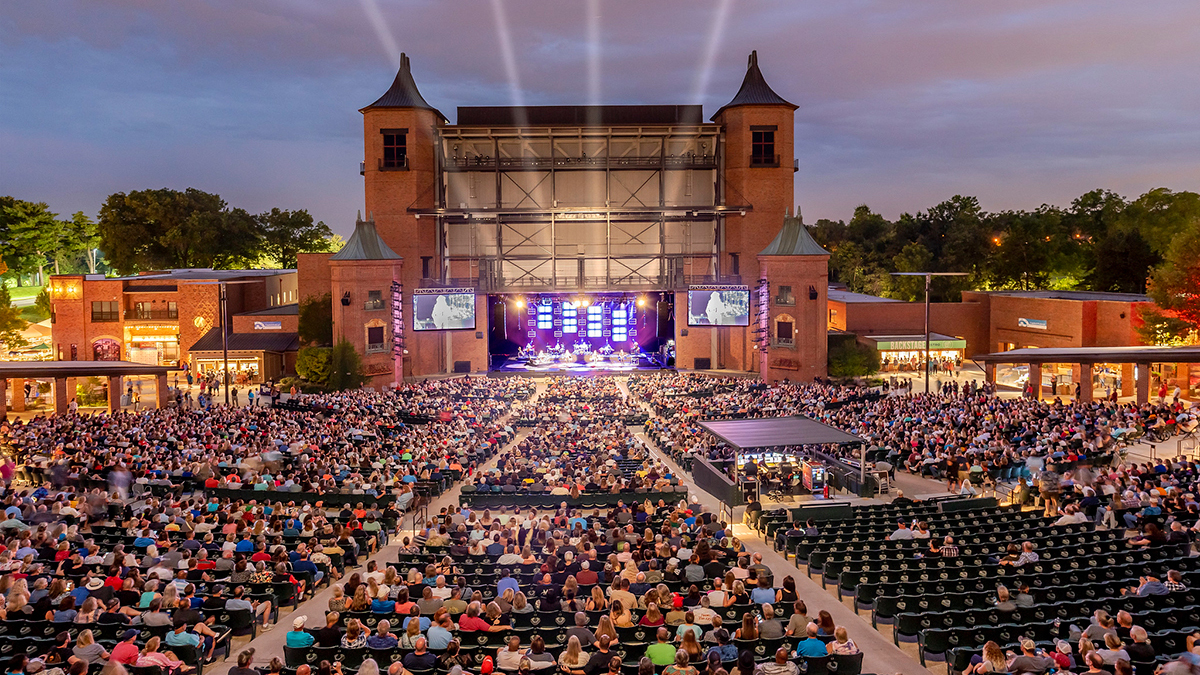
point(902, 103)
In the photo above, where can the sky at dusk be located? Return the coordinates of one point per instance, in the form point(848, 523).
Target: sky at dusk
point(901, 103)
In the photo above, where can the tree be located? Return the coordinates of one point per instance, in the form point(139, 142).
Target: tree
point(33, 233)
point(1175, 285)
point(312, 364)
point(345, 367)
point(316, 320)
point(81, 238)
point(851, 359)
point(912, 258)
point(287, 233)
point(11, 323)
point(160, 229)
point(43, 304)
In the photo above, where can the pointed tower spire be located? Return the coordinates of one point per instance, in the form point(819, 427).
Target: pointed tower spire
point(403, 92)
point(755, 90)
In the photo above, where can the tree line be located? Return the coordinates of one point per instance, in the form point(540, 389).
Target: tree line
point(1101, 242)
point(155, 229)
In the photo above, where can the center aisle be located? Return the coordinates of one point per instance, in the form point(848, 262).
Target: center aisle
point(879, 654)
point(270, 644)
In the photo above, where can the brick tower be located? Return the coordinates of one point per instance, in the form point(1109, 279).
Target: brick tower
point(758, 168)
point(361, 277)
point(401, 176)
point(796, 269)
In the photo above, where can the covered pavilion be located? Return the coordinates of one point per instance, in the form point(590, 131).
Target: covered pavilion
point(63, 373)
point(1086, 358)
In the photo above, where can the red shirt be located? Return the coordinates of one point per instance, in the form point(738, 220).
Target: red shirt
point(472, 623)
point(125, 652)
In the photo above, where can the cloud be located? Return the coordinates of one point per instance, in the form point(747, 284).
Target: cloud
point(902, 103)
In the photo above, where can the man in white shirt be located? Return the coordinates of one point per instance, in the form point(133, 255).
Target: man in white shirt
point(704, 613)
point(717, 595)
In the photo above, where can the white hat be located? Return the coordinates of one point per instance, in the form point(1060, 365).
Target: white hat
point(298, 622)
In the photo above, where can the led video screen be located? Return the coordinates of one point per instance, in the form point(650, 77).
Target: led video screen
point(451, 309)
point(718, 306)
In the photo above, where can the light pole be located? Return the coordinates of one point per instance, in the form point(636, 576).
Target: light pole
point(928, 281)
point(224, 311)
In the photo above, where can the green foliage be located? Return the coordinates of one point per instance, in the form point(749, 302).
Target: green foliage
point(160, 229)
point(43, 302)
point(11, 323)
point(1101, 242)
point(345, 367)
point(313, 364)
point(851, 359)
point(316, 320)
point(288, 233)
point(1175, 283)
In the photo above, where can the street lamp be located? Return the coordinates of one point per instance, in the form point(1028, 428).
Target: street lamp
point(224, 309)
point(928, 279)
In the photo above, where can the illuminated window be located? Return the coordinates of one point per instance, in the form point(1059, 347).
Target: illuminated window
point(545, 317)
point(594, 315)
point(620, 321)
point(570, 318)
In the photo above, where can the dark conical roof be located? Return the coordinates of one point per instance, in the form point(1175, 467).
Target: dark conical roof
point(755, 90)
point(794, 239)
point(403, 92)
point(365, 244)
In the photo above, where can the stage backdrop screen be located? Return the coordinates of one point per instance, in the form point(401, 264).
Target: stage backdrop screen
point(718, 306)
point(444, 309)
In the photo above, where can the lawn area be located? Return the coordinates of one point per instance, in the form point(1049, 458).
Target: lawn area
point(24, 291)
point(33, 314)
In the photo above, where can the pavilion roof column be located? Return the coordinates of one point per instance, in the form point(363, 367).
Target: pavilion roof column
point(1085, 382)
point(1143, 383)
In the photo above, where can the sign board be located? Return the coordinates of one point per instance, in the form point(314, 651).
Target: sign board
point(918, 345)
point(268, 325)
point(1035, 324)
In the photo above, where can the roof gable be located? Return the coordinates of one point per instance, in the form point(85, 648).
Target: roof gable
point(754, 90)
point(365, 244)
point(794, 239)
point(403, 93)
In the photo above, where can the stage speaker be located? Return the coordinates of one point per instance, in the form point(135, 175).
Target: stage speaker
point(499, 322)
point(704, 363)
point(664, 321)
point(462, 366)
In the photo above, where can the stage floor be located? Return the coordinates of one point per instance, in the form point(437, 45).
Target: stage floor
point(523, 367)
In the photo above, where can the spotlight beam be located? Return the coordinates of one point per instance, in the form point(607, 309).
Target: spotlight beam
point(711, 47)
point(386, 39)
point(504, 36)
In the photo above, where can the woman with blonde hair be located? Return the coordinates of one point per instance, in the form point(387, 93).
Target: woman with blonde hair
point(521, 604)
point(360, 603)
point(842, 644)
point(572, 659)
point(605, 627)
point(993, 660)
point(88, 650)
point(652, 618)
point(737, 595)
point(339, 601)
point(597, 603)
point(89, 612)
point(166, 661)
point(749, 628)
point(355, 637)
point(408, 639)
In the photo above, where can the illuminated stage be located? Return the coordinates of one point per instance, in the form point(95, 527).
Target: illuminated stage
point(598, 333)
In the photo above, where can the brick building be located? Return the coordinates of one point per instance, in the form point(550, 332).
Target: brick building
point(591, 213)
point(159, 317)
